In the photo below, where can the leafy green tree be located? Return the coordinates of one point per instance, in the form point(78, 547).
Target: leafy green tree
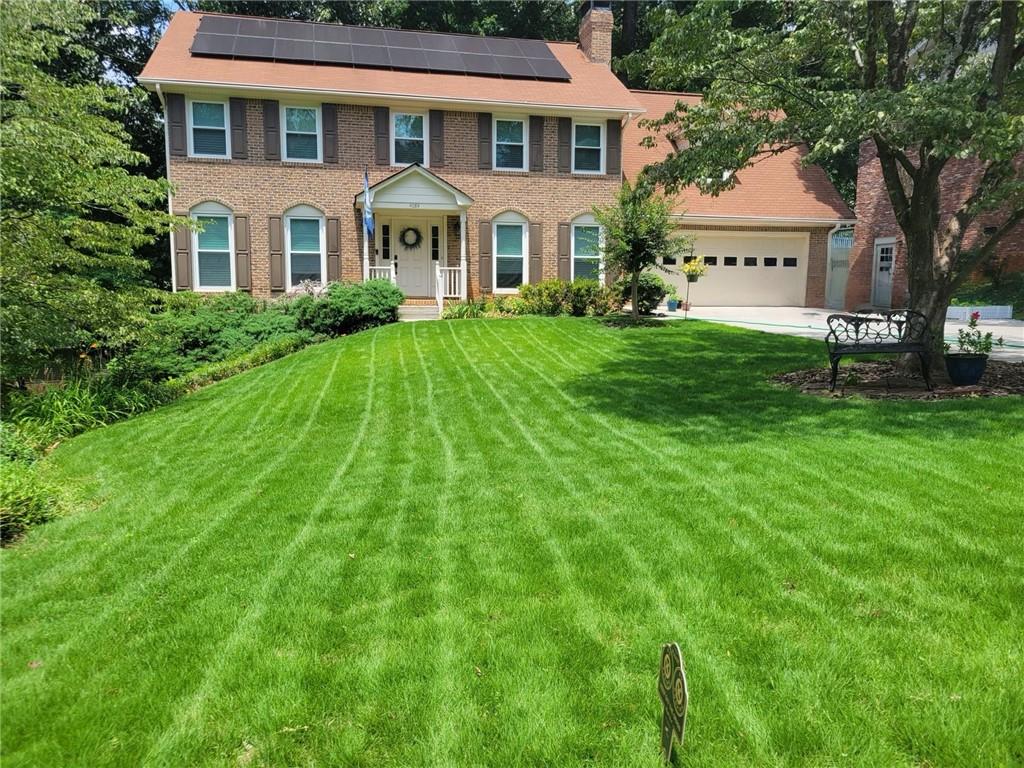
point(639, 235)
point(73, 214)
point(926, 82)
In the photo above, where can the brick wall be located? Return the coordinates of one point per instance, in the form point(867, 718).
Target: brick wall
point(875, 219)
point(596, 35)
point(260, 188)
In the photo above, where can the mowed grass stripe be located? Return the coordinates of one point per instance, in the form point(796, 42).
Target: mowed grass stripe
point(612, 488)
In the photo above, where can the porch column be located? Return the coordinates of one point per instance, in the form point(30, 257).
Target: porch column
point(463, 284)
point(366, 253)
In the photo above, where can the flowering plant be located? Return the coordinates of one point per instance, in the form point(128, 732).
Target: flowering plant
point(972, 342)
point(695, 267)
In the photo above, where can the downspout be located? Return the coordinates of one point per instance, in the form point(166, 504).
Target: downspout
point(170, 201)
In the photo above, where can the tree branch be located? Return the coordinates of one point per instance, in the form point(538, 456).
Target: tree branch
point(956, 228)
point(887, 158)
point(874, 24)
point(1002, 62)
point(966, 37)
point(971, 260)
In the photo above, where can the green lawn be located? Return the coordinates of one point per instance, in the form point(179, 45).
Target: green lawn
point(463, 544)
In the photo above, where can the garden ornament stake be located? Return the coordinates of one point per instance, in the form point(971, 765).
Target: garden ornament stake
point(674, 698)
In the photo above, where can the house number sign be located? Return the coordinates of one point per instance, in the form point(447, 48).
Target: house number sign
point(674, 698)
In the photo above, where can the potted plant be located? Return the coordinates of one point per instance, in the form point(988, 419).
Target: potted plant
point(967, 366)
point(672, 300)
point(694, 269)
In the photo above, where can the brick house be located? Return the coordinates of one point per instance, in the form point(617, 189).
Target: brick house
point(484, 159)
point(878, 270)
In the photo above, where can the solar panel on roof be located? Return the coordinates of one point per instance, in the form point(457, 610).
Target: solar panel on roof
point(333, 44)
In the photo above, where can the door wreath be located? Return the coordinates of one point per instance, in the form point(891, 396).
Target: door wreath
point(410, 237)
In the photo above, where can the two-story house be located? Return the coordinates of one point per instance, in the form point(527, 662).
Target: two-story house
point(484, 158)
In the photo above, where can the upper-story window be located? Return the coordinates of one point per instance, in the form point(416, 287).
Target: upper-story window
point(304, 245)
point(510, 144)
point(212, 248)
point(587, 148)
point(408, 143)
point(586, 249)
point(510, 249)
point(208, 134)
point(301, 134)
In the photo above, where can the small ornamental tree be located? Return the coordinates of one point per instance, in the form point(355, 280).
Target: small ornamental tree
point(639, 235)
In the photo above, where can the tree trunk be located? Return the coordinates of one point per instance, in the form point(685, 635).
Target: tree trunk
point(930, 282)
point(634, 290)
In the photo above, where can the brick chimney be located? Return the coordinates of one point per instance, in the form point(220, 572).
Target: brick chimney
point(596, 31)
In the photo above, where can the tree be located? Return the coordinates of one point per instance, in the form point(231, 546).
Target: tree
point(925, 82)
point(639, 234)
point(74, 216)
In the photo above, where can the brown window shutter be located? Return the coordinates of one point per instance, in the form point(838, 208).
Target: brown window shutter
point(243, 275)
point(483, 131)
point(536, 252)
point(536, 143)
point(333, 249)
point(382, 134)
point(276, 254)
point(564, 144)
point(239, 130)
point(176, 127)
point(329, 121)
point(564, 267)
point(485, 257)
point(183, 257)
point(271, 130)
point(613, 155)
point(436, 138)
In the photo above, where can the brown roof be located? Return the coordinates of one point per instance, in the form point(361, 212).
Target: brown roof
point(592, 86)
point(774, 186)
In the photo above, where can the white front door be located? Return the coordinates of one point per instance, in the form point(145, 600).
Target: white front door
point(411, 262)
point(881, 285)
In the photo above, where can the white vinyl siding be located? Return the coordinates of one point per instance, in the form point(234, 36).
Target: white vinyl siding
point(510, 144)
point(588, 148)
point(208, 134)
point(408, 138)
point(301, 134)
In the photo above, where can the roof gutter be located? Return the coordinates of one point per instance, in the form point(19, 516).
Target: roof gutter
point(377, 97)
point(762, 220)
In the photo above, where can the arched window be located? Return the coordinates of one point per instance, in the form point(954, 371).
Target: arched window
point(511, 234)
point(212, 248)
point(305, 251)
point(587, 246)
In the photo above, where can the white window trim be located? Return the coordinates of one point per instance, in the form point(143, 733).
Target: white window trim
point(285, 132)
point(426, 138)
point(227, 129)
point(604, 147)
point(494, 142)
point(288, 246)
point(514, 220)
point(586, 221)
point(195, 213)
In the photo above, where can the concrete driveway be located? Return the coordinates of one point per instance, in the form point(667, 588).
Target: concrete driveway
point(810, 323)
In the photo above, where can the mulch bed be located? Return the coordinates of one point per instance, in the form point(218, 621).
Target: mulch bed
point(882, 380)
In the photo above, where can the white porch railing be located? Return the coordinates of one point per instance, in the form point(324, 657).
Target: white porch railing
point(447, 284)
point(386, 272)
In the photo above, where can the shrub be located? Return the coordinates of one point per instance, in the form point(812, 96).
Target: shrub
point(579, 298)
point(223, 369)
point(347, 308)
point(650, 291)
point(19, 444)
point(507, 306)
point(464, 310)
point(548, 297)
point(25, 499)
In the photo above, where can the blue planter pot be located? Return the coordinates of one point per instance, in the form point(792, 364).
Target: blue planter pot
point(673, 305)
point(965, 370)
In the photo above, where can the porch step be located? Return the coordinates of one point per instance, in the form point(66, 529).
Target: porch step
point(419, 301)
point(408, 312)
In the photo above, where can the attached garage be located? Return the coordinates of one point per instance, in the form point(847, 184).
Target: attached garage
point(762, 269)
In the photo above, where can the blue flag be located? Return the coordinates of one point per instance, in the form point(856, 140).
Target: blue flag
point(367, 203)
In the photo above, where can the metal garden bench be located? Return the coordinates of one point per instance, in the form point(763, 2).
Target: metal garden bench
point(898, 332)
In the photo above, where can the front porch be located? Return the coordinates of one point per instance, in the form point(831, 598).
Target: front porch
point(417, 221)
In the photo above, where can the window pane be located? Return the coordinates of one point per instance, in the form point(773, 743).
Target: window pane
point(408, 151)
point(305, 234)
point(207, 115)
point(215, 233)
point(588, 159)
point(510, 272)
point(509, 239)
point(209, 141)
point(587, 269)
point(510, 131)
point(305, 266)
point(302, 120)
point(409, 126)
point(587, 241)
point(300, 146)
point(509, 156)
point(588, 136)
point(214, 269)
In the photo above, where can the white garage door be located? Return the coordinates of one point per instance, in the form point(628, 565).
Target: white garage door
point(765, 269)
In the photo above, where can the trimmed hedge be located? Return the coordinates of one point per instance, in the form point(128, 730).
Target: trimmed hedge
point(581, 298)
point(651, 291)
point(347, 307)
